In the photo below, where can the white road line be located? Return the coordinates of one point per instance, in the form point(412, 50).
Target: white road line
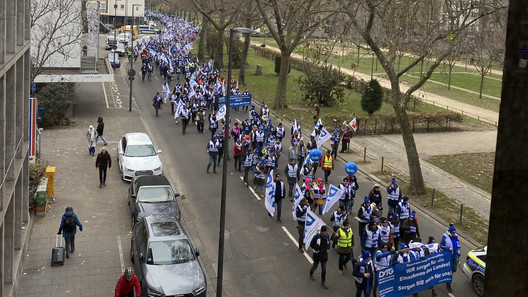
point(104, 91)
point(251, 189)
point(120, 253)
point(296, 242)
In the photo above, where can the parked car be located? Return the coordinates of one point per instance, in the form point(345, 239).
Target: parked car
point(124, 37)
point(166, 263)
point(110, 42)
point(152, 194)
point(148, 29)
point(136, 155)
point(475, 268)
point(114, 60)
point(120, 49)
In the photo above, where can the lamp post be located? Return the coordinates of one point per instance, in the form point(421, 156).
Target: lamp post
point(372, 67)
point(114, 46)
point(131, 72)
point(224, 168)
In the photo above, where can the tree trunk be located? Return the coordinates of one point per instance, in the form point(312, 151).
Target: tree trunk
point(449, 78)
point(280, 96)
point(481, 83)
point(243, 58)
point(219, 51)
point(416, 185)
point(203, 38)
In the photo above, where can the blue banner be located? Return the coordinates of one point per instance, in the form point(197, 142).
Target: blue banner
point(413, 277)
point(237, 100)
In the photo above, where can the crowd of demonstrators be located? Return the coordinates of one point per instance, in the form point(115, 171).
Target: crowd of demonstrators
point(256, 146)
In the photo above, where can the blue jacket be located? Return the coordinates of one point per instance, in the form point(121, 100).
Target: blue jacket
point(69, 233)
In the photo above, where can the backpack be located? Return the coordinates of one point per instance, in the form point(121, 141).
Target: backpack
point(69, 224)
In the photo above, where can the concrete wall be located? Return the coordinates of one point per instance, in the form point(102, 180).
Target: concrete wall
point(15, 67)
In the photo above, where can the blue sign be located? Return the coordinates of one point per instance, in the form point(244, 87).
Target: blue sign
point(413, 277)
point(237, 100)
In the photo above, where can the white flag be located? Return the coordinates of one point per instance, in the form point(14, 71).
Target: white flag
point(179, 109)
point(323, 137)
point(269, 200)
point(319, 123)
point(221, 113)
point(353, 124)
point(296, 127)
point(334, 193)
point(297, 197)
point(311, 226)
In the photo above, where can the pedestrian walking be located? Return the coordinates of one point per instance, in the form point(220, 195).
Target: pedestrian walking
point(143, 71)
point(280, 193)
point(370, 238)
point(212, 150)
point(364, 212)
point(291, 172)
point(100, 130)
point(149, 71)
point(327, 164)
point(320, 244)
point(260, 177)
point(320, 196)
point(345, 141)
point(364, 275)
point(394, 195)
point(68, 229)
point(382, 261)
point(337, 218)
point(375, 196)
point(156, 102)
point(248, 164)
point(300, 213)
point(334, 142)
point(451, 243)
point(345, 245)
point(128, 284)
point(344, 200)
point(103, 161)
point(403, 209)
point(91, 136)
point(238, 154)
point(185, 116)
point(409, 229)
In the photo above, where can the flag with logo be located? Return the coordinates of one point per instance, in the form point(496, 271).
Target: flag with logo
point(179, 109)
point(334, 193)
point(297, 197)
point(311, 226)
point(323, 137)
point(296, 127)
point(353, 124)
point(318, 124)
point(221, 113)
point(269, 200)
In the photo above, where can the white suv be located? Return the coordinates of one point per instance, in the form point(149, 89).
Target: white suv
point(137, 156)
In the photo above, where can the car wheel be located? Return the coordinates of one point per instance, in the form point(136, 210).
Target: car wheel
point(478, 284)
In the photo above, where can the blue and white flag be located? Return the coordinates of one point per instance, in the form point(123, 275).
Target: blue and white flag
point(323, 137)
point(269, 200)
point(297, 197)
point(179, 109)
point(334, 193)
point(221, 113)
point(296, 127)
point(311, 226)
point(318, 124)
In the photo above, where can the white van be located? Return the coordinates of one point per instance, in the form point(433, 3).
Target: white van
point(148, 29)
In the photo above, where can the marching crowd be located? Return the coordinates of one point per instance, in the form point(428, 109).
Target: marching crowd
point(386, 238)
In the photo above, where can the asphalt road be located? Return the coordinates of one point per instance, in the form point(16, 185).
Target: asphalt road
point(261, 257)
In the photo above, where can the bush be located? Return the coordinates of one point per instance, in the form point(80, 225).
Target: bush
point(55, 98)
point(36, 173)
point(372, 98)
point(322, 85)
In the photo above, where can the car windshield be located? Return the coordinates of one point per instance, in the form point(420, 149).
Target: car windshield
point(155, 194)
point(170, 252)
point(145, 150)
point(120, 46)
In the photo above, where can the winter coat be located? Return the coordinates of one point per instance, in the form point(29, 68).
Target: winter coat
point(69, 233)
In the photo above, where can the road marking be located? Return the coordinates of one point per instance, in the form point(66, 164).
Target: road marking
point(296, 242)
point(104, 91)
point(120, 253)
point(251, 189)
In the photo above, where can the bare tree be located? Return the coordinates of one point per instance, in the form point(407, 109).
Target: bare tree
point(414, 27)
point(291, 22)
point(56, 27)
point(250, 17)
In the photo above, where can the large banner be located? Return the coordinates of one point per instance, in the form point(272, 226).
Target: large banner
point(413, 277)
point(236, 100)
point(297, 199)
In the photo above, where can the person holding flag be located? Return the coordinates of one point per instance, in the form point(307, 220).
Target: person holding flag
point(345, 245)
point(337, 218)
point(345, 140)
point(320, 244)
point(280, 193)
point(364, 274)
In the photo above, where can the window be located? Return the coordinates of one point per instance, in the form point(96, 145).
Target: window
point(171, 252)
point(122, 6)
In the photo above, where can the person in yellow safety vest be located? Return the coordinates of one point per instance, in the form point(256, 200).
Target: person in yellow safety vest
point(327, 163)
point(345, 245)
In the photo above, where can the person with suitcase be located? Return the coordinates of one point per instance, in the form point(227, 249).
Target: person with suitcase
point(68, 228)
point(127, 284)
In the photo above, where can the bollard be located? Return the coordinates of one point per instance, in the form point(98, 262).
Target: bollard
point(382, 159)
point(432, 198)
point(461, 211)
point(365, 154)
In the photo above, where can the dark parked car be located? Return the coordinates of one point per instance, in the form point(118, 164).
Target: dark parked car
point(166, 263)
point(152, 194)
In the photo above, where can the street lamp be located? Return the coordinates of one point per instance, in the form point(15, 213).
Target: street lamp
point(114, 46)
point(226, 154)
point(131, 73)
point(372, 67)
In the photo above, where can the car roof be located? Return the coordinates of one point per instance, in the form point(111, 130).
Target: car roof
point(152, 180)
point(162, 227)
point(138, 138)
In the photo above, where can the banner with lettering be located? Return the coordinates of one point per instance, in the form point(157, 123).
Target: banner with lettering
point(416, 276)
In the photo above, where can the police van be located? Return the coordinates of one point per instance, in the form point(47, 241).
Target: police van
point(475, 268)
point(148, 29)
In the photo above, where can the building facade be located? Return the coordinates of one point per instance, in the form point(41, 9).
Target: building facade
point(121, 11)
point(15, 67)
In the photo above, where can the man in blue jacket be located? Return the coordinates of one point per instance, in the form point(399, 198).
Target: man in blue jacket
point(451, 243)
point(68, 228)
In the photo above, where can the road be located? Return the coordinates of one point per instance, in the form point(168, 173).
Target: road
point(261, 257)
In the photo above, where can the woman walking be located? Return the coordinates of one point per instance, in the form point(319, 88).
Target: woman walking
point(91, 135)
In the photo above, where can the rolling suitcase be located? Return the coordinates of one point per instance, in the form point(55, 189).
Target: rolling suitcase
point(57, 253)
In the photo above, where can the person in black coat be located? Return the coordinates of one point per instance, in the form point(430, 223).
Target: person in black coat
point(320, 244)
point(364, 275)
point(280, 192)
point(102, 162)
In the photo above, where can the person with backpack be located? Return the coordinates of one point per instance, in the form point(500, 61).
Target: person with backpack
point(68, 228)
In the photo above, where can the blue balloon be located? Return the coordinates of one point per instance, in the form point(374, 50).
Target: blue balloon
point(316, 155)
point(351, 168)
